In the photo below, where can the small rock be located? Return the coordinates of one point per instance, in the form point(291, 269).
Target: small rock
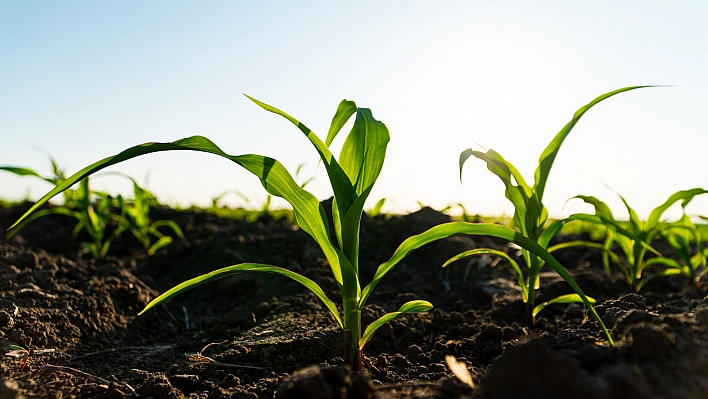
point(9, 389)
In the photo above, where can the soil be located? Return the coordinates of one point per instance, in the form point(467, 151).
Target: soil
point(250, 335)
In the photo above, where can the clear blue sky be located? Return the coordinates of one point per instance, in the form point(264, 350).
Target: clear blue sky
point(83, 80)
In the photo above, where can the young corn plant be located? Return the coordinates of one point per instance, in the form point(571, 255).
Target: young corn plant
point(685, 238)
point(530, 215)
point(137, 217)
point(59, 175)
point(93, 211)
point(352, 177)
point(634, 239)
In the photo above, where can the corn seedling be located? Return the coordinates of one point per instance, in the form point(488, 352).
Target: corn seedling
point(94, 213)
point(685, 238)
point(215, 200)
point(376, 210)
point(634, 239)
point(530, 215)
point(59, 175)
point(136, 213)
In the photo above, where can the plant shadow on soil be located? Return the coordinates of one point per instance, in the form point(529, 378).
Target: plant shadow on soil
point(265, 327)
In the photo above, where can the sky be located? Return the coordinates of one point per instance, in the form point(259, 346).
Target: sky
point(84, 80)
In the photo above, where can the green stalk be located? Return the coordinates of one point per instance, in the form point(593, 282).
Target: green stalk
point(352, 335)
point(533, 283)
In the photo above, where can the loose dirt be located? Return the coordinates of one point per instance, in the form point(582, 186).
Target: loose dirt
point(250, 335)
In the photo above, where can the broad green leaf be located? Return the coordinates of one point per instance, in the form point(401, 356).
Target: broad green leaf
point(245, 267)
point(551, 232)
point(501, 254)
point(570, 298)
point(464, 156)
point(408, 307)
point(463, 228)
point(548, 156)
point(684, 195)
point(342, 187)
point(344, 111)
point(601, 208)
point(24, 172)
point(364, 150)
point(634, 220)
point(274, 177)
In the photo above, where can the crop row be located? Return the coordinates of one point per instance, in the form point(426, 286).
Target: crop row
point(352, 176)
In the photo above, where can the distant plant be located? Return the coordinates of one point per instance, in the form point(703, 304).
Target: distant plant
point(93, 211)
point(530, 215)
point(635, 238)
point(376, 210)
point(136, 213)
point(58, 176)
point(215, 200)
point(685, 238)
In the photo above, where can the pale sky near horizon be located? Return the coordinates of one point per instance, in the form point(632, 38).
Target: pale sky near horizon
point(84, 80)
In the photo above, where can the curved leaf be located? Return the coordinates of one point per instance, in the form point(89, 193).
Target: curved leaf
point(570, 298)
point(162, 242)
point(548, 156)
point(344, 111)
point(684, 195)
point(244, 267)
point(408, 307)
point(26, 172)
point(463, 228)
point(341, 185)
point(364, 151)
point(274, 178)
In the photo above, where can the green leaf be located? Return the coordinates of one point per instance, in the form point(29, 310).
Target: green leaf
point(684, 195)
point(464, 156)
point(570, 298)
point(162, 242)
point(341, 185)
point(168, 223)
point(551, 232)
point(344, 111)
point(274, 177)
point(548, 156)
point(408, 307)
point(463, 228)
point(244, 267)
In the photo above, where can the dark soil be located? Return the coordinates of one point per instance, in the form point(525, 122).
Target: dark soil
point(264, 328)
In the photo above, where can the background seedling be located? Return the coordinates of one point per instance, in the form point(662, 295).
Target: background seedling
point(136, 213)
point(530, 215)
point(635, 238)
point(685, 238)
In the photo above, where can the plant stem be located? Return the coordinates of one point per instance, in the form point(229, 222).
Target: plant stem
point(534, 271)
point(352, 334)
